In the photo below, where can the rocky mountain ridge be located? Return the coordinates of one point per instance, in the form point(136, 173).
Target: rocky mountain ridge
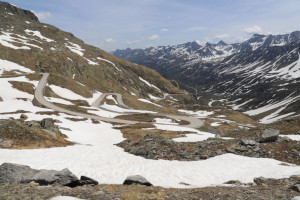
point(262, 71)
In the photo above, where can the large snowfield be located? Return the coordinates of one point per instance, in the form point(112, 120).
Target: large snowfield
point(96, 155)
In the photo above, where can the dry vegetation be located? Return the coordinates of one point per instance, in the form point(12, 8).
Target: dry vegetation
point(20, 136)
point(138, 131)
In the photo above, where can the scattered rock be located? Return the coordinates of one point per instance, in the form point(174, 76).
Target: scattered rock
point(23, 116)
point(248, 142)
point(14, 173)
point(136, 179)
point(138, 151)
point(1, 99)
point(166, 141)
point(47, 123)
point(269, 135)
point(233, 182)
point(33, 184)
point(260, 180)
point(50, 132)
point(1, 140)
point(241, 149)
point(6, 144)
point(34, 124)
point(84, 180)
point(295, 178)
point(296, 187)
point(183, 183)
point(230, 150)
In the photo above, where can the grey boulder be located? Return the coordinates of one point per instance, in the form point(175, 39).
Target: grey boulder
point(84, 180)
point(248, 142)
point(14, 173)
point(137, 179)
point(47, 123)
point(269, 135)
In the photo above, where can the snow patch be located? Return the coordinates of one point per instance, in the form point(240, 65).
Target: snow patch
point(199, 113)
point(75, 48)
point(6, 65)
point(147, 101)
point(292, 137)
point(149, 84)
point(38, 34)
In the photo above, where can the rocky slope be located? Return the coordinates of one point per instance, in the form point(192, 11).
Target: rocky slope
point(74, 65)
point(262, 71)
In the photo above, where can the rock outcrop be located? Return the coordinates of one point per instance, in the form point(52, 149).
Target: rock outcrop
point(137, 179)
point(269, 135)
point(14, 173)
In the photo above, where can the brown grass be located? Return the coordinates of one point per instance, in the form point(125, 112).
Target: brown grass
point(76, 119)
point(138, 131)
point(23, 86)
point(69, 84)
point(24, 137)
point(48, 113)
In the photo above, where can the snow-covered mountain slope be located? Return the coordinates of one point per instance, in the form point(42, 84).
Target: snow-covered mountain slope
point(250, 74)
point(194, 50)
point(74, 65)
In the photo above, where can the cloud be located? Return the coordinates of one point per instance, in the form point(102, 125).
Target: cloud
point(43, 15)
point(222, 36)
point(253, 29)
point(164, 30)
point(132, 42)
point(197, 28)
point(110, 40)
point(154, 37)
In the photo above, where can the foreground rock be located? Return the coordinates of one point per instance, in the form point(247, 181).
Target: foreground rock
point(136, 179)
point(47, 123)
point(84, 180)
point(270, 189)
point(269, 135)
point(16, 134)
point(14, 173)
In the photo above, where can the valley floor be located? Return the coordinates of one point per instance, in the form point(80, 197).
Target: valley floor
point(96, 155)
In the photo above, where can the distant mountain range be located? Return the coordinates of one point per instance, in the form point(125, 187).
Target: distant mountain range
point(260, 71)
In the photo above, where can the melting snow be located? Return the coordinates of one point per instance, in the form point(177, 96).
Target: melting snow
point(147, 101)
point(149, 84)
point(6, 40)
point(113, 64)
point(37, 34)
point(292, 137)
point(6, 65)
point(118, 109)
point(75, 48)
point(199, 113)
point(65, 198)
point(99, 158)
point(165, 121)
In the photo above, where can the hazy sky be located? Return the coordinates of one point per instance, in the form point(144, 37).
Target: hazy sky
point(112, 24)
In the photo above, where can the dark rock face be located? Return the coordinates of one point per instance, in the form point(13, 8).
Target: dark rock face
point(269, 135)
point(47, 123)
point(14, 173)
point(296, 187)
point(7, 7)
point(137, 179)
point(84, 180)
